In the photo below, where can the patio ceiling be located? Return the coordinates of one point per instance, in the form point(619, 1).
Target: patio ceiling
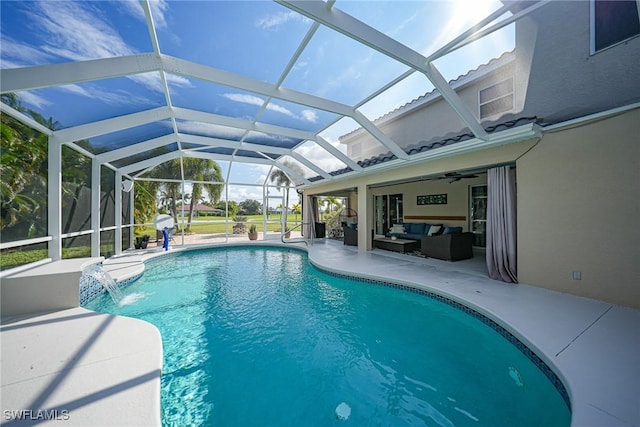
point(257, 92)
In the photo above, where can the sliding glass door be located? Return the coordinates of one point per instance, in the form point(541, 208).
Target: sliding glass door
point(388, 210)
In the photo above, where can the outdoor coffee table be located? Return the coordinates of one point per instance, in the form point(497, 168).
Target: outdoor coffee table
point(397, 245)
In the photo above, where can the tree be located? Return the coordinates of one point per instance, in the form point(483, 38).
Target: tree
point(282, 180)
point(169, 192)
point(76, 176)
point(202, 170)
point(329, 202)
point(145, 201)
point(297, 209)
point(23, 167)
point(232, 207)
point(250, 207)
point(194, 169)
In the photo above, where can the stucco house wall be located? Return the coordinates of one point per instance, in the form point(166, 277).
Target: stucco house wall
point(408, 126)
point(559, 78)
point(579, 210)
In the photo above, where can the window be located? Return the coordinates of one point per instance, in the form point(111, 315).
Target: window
point(497, 98)
point(613, 22)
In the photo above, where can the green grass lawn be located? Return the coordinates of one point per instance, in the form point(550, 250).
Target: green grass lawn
point(10, 259)
point(218, 226)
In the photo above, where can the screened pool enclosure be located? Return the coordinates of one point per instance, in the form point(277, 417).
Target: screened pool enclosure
point(113, 112)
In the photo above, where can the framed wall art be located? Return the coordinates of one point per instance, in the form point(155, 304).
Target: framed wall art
point(432, 199)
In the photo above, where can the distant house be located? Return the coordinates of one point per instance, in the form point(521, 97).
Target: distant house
point(207, 210)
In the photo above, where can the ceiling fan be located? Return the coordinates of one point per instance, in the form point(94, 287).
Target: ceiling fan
point(455, 176)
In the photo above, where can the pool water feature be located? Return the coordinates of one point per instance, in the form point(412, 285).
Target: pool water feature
point(98, 275)
point(258, 336)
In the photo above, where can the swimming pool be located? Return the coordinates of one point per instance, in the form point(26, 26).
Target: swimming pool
point(258, 336)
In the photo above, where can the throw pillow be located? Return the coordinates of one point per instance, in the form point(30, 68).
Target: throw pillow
point(397, 229)
point(434, 230)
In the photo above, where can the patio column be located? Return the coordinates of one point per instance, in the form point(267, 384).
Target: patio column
point(132, 220)
point(118, 212)
point(95, 208)
point(54, 195)
point(365, 224)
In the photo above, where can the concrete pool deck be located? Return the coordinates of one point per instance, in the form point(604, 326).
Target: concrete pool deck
point(592, 345)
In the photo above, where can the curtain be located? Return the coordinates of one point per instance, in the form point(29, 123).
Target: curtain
point(311, 216)
point(501, 225)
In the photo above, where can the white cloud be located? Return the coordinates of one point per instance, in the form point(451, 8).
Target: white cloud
point(319, 157)
point(23, 55)
point(153, 81)
point(158, 9)
point(277, 20)
point(209, 129)
point(92, 91)
point(256, 100)
point(310, 116)
point(245, 99)
point(269, 137)
point(307, 115)
point(6, 64)
point(33, 99)
point(75, 31)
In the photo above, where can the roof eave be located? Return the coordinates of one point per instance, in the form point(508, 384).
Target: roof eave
point(525, 132)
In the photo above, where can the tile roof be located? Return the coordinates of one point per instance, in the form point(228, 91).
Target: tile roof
point(424, 146)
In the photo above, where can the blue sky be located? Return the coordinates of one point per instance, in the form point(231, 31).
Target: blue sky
point(251, 38)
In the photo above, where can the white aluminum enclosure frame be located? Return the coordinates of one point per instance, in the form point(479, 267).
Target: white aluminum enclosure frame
point(322, 14)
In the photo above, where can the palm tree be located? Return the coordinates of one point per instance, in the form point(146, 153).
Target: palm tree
point(169, 191)
point(297, 209)
point(145, 199)
point(330, 202)
point(282, 180)
point(194, 169)
point(202, 170)
point(23, 167)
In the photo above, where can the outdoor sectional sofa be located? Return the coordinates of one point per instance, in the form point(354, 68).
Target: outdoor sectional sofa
point(450, 247)
point(438, 241)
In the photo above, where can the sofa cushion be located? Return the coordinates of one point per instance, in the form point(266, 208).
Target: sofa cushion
point(452, 230)
point(415, 227)
point(434, 230)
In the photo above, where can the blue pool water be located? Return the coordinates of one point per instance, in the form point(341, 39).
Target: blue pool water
point(258, 336)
